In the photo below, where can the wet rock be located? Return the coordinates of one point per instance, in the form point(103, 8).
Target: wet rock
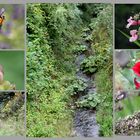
point(85, 123)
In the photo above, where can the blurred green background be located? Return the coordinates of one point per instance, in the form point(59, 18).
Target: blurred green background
point(12, 35)
point(122, 13)
point(130, 105)
point(13, 65)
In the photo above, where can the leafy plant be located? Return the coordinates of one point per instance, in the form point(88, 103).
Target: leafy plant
point(90, 101)
point(78, 86)
point(80, 48)
point(105, 109)
point(92, 63)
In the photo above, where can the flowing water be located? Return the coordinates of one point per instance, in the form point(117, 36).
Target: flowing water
point(85, 124)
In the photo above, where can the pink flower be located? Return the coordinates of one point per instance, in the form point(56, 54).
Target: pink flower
point(131, 22)
point(134, 35)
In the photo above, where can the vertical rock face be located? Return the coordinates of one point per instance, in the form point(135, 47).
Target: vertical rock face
point(128, 126)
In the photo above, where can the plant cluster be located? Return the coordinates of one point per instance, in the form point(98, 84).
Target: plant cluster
point(102, 37)
point(92, 63)
point(77, 86)
point(90, 101)
point(50, 32)
point(80, 49)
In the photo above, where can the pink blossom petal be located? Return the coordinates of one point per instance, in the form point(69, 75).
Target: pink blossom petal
point(131, 22)
point(129, 19)
point(133, 38)
point(133, 32)
point(134, 35)
point(128, 25)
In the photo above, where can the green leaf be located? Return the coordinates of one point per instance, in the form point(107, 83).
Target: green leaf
point(129, 75)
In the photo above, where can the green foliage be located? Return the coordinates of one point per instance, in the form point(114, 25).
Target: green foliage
point(35, 24)
point(105, 109)
point(90, 10)
point(13, 73)
point(92, 63)
point(44, 84)
point(80, 49)
point(90, 101)
point(62, 22)
point(101, 40)
point(48, 69)
point(53, 31)
point(77, 86)
point(102, 37)
point(104, 19)
point(129, 76)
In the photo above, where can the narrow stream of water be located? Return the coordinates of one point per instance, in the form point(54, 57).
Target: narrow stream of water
point(85, 124)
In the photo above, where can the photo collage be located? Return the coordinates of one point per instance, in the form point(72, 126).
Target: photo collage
point(69, 69)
